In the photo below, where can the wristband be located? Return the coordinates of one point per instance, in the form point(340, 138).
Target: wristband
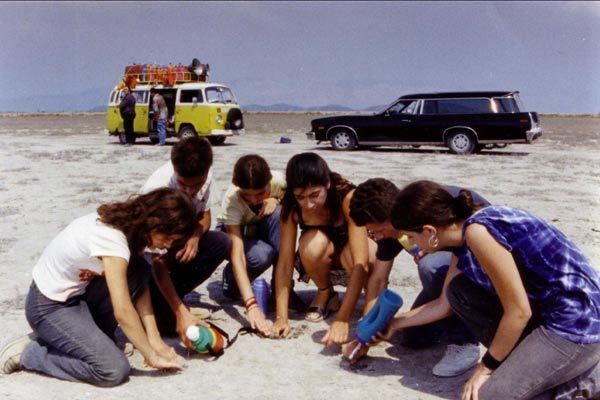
point(251, 307)
point(490, 362)
point(250, 302)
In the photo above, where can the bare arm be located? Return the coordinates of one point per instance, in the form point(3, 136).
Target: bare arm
point(284, 273)
point(433, 311)
point(500, 266)
point(115, 269)
point(377, 282)
point(359, 248)
point(240, 272)
point(183, 316)
point(190, 249)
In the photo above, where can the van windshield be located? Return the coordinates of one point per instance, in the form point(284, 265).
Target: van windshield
point(219, 94)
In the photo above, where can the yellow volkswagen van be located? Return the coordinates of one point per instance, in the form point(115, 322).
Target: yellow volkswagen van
point(195, 108)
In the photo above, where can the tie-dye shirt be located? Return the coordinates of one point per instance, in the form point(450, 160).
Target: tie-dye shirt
point(562, 286)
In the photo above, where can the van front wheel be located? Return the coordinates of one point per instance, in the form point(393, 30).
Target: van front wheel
point(186, 132)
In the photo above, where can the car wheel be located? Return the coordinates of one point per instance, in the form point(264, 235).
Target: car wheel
point(343, 140)
point(186, 132)
point(216, 140)
point(122, 138)
point(461, 142)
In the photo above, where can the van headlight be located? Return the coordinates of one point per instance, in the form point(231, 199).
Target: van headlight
point(219, 119)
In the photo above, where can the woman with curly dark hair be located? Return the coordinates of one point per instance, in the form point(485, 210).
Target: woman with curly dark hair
point(318, 201)
point(82, 288)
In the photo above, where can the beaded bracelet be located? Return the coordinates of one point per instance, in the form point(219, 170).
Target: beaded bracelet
point(490, 362)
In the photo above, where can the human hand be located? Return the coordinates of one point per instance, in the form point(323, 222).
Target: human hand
point(184, 321)
point(258, 321)
point(417, 258)
point(349, 349)
point(337, 333)
point(479, 377)
point(281, 328)
point(163, 349)
point(159, 362)
point(386, 334)
point(189, 251)
point(86, 275)
point(268, 207)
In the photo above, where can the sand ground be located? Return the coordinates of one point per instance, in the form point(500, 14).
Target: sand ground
point(55, 168)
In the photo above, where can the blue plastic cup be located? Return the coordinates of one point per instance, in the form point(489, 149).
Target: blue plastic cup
point(261, 292)
point(388, 303)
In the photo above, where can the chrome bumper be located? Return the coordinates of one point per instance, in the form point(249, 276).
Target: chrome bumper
point(533, 133)
point(227, 132)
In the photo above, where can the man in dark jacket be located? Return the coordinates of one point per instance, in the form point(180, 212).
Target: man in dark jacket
point(127, 109)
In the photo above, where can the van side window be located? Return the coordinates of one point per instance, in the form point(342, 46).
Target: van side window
point(187, 96)
point(141, 97)
point(506, 105)
point(113, 96)
point(404, 107)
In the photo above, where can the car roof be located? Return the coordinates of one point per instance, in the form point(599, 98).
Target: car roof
point(447, 95)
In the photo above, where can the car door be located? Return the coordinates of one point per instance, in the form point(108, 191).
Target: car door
point(399, 123)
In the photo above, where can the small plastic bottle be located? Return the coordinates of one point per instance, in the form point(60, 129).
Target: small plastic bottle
point(203, 338)
point(388, 303)
point(261, 292)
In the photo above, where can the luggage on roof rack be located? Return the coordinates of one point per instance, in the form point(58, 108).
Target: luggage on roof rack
point(167, 75)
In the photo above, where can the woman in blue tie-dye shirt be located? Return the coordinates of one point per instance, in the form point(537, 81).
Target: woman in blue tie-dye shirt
point(525, 290)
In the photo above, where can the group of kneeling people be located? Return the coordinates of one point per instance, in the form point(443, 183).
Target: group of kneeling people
point(494, 275)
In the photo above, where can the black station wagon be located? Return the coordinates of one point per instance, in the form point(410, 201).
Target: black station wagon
point(465, 122)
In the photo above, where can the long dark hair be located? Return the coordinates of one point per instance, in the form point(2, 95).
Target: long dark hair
point(309, 169)
point(428, 203)
point(165, 210)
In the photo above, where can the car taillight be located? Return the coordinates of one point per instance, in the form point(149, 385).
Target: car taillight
point(524, 121)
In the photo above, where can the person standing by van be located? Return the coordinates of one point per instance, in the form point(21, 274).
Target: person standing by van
point(161, 114)
point(127, 110)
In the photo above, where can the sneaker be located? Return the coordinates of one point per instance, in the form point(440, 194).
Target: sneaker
point(230, 289)
point(10, 355)
point(457, 360)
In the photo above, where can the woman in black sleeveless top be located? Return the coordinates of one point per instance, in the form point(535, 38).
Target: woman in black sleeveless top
point(317, 200)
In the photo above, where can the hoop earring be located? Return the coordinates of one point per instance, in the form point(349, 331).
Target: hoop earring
point(433, 241)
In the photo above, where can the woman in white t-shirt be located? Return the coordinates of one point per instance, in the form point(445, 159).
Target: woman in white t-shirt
point(82, 288)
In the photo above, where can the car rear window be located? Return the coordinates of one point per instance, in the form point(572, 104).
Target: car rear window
point(457, 106)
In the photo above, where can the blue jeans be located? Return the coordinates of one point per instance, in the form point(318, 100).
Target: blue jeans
point(214, 247)
point(261, 248)
point(76, 337)
point(161, 127)
point(432, 273)
point(543, 365)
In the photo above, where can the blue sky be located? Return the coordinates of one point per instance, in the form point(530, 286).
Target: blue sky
point(357, 54)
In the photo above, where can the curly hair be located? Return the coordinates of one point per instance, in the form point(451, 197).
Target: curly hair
point(428, 203)
point(309, 169)
point(372, 201)
point(251, 172)
point(192, 157)
point(164, 210)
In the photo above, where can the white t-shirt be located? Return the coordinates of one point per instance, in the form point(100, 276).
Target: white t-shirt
point(165, 177)
point(77, 247)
